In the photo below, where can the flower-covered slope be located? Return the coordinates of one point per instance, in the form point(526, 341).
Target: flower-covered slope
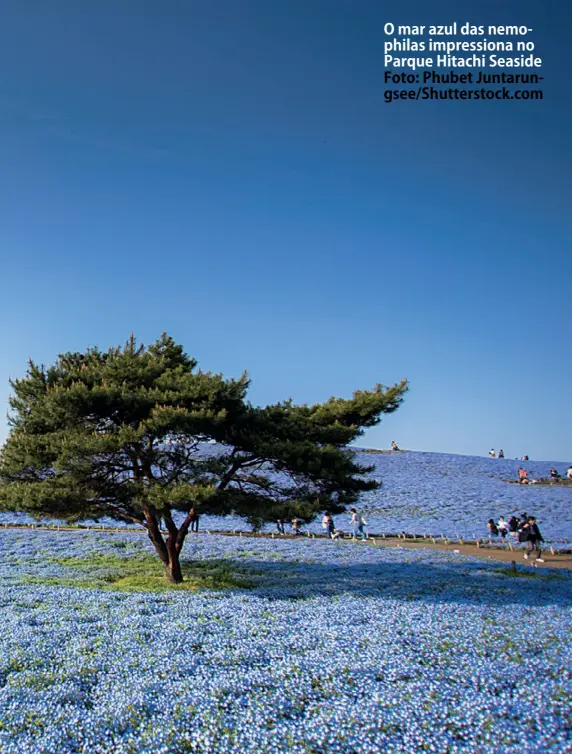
point(436, 493)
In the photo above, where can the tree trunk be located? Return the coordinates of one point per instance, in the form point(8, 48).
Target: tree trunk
point(154, 534)
point(174, 546)
point(173, 567)
point(169, 551)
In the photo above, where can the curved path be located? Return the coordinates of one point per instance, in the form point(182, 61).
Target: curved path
point(504, 555)
point(486, 552)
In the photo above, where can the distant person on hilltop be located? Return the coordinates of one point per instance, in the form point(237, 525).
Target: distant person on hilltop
point(525, 458)
point(569, 473)
point(501, 453)
point(492, 452)
point(394, 445)
point(554, 474)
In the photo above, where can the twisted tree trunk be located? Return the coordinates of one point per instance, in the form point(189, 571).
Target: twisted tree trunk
point(168, 551)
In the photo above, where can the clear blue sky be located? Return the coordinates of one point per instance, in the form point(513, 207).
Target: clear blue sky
point(228, 171)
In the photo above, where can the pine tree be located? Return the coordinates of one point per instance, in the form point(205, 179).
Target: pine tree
point(138, 433)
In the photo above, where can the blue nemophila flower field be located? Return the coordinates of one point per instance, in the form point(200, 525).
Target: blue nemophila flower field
point(436, 493)
point(337, 647)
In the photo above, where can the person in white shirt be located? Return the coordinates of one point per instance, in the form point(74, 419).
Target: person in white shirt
point(502, 526)
point(358, 522)
point(569, 473)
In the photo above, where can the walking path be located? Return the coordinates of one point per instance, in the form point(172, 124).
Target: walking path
point(503, 555)
point(559, 560)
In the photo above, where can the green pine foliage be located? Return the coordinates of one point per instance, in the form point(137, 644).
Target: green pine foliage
point(137, 432)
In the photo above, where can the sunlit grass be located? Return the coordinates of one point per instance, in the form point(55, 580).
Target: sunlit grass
point(142, 573)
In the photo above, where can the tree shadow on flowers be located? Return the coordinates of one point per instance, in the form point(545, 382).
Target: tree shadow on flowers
point(464, 581)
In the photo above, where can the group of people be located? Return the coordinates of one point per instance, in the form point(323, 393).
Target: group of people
point(554, 474)
point(357, 522)
point(492, 454)
point(523, 529)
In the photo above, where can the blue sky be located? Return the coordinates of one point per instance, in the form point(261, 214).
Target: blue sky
point(228, 171)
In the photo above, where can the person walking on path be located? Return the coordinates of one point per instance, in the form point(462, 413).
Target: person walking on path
point(328, 525)
point(523, 528)
point(534, 540)
point(358, 522)
point(513, 525)
point(297, 526)
point(194, 517)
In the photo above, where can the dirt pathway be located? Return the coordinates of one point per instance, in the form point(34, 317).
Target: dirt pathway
point(503, 555)
point(563, 560)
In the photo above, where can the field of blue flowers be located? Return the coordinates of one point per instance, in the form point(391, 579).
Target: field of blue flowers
point(336, 647)
point(436, 493)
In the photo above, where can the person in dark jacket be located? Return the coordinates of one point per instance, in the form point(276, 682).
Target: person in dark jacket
point(522, 535)
point(534, 539)
point(522, 529)
point(194, 519)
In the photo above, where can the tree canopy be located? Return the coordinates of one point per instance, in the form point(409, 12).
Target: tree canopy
point(137, 433)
